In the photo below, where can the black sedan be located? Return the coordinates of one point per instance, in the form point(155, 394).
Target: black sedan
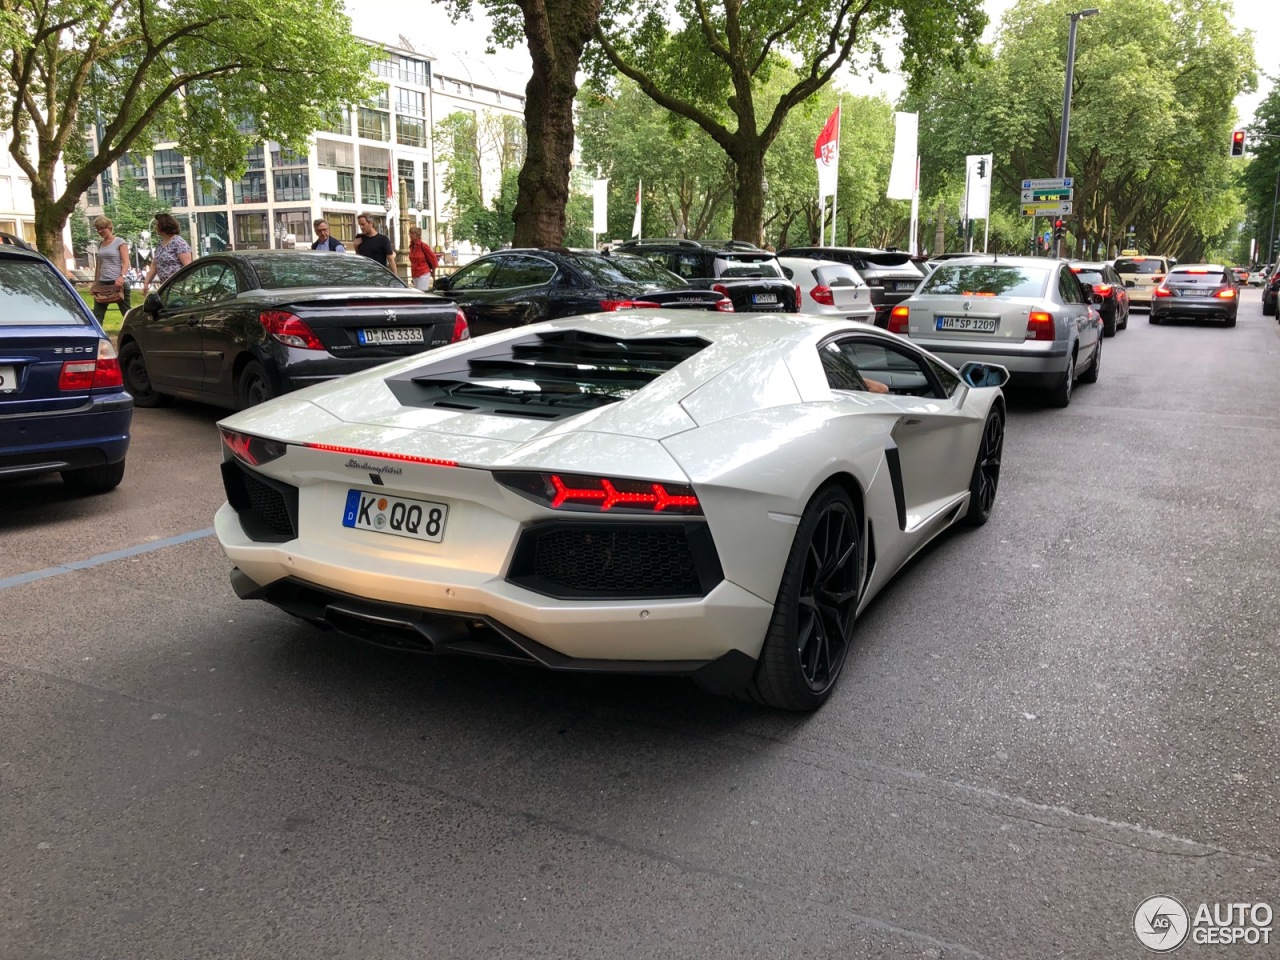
point(516, 287)
point(235, 329)
point(1109, 293)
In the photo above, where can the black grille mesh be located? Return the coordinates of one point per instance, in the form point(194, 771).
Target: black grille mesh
point(268, 505)
point(614, 561)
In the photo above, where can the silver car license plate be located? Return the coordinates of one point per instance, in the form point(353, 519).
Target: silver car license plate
point(8, 379)
point(391, 335)
point(967, 324)
point(378, 513)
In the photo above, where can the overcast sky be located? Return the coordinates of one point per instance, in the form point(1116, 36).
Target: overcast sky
point(426, 25)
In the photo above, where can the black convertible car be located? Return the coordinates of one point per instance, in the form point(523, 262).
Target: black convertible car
point(235, 329)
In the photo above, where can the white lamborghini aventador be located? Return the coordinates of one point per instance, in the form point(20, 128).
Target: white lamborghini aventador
point(708, 495)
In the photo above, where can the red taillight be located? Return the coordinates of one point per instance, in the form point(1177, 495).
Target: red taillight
point(1102, 289)
point(249, 449)
point(823, 295)
point(381, 455)
point(1162, 292)
point(1040, 326)
point(289, 329)
point(564, 491)
point(898, 318)
point(721, 289)
point(1227, 294)
point(103, 371)
point(461, 329)
point(1157, 278)
point(798, 296)
point(725, 305)
point(610, 305)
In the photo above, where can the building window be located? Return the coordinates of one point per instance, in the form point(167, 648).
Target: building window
point(340, 158)
point(133, 167)
point(289, 175)
point(373, 125)
point(93, 195)
point(210, 191)
point(375, 171)
point(410, 70)
point(293, 229)
point(169, 163)
point(411, 103)
point(342, 226)
point(172, 190)
point(411, 132)
point(338, 122)
point(213, 235)
point(251, 188)
point(252, 232)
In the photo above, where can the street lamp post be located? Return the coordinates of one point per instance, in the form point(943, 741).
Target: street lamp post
point(1066, 103)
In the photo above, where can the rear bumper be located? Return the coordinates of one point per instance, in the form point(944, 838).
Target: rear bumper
point(93, 435)
point(1186, 307)
point(451, 632)
point(1027, 363)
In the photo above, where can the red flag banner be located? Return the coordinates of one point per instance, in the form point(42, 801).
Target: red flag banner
point(826, 153)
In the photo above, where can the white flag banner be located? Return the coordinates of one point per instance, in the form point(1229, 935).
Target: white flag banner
point(977, 180)
point(600, 206)
point(635, 222)
point(902, 175)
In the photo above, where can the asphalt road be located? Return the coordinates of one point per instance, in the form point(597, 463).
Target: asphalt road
point(1042, 723)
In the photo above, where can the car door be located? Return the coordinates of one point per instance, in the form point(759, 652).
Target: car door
point(223, 329)
point(934, 448)
point(469, 289)
point(1075, 309)
point(171, 340)
point(518, 292)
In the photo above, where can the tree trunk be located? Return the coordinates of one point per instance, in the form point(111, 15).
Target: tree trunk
point(748, 193)
point(557, 31)
point(50, 217)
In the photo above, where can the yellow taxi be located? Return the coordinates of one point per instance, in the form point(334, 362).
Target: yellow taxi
point(1141, 274)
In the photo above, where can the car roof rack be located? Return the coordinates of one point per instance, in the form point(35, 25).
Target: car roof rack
point(10, 239)
point(644, 241)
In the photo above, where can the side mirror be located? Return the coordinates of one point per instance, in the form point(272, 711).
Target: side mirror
point(443, 283)
point(984, 374)
point(152, 304)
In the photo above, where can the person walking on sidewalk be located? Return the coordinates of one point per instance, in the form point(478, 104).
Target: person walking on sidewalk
point(422, 260)
point(374, 245)
point(172, 254)
point(110, 284)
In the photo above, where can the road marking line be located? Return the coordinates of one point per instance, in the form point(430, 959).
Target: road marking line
point(21, 578)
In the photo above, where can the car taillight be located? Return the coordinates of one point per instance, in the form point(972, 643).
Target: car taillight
point(1040, 326)
point(823, 295)
point(721, 289)
point(1102, 289)
point(610, 305)
point(103, 371)
point(898, 318)
point(461, 329)
point(250, 450)
point(1159, 277)
point(798, 296)
point(594, 494)
point(1226, 294)
point(725, 305)
point(1162, 292)
point(289, 329)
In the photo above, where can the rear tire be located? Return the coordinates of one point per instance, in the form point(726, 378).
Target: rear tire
point(99, 479)
point(1231, 321)
point(812, 625)
point(253, 387)
point(1268, 311)
point(133, 367)
point(1060, 396)
point(1095, 366)
point(986, 470)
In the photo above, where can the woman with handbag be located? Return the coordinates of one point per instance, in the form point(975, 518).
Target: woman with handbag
point(109, 283)
point(172, 254)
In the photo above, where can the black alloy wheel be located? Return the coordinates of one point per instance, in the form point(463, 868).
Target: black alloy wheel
point(1060, 396)
point(253, 386)
point(812, 626)
point(133, 367)
point(1095, 365)
point(1109, 326)
point(986, 470)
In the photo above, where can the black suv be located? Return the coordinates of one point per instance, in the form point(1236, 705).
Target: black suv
point(752, 278)
point(890, 275)
point(1270, 290)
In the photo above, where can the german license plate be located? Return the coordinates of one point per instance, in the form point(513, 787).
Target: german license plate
point(375, 335)
point(416, 519)
point(967, 324)
point(8, 379)
point(905, 285)
point(764, 298)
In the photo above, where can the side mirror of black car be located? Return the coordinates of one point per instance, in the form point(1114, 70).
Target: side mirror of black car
point(443, 283)
point(153, 303)
point(984, 374)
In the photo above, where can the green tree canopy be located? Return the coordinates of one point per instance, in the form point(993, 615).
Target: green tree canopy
point(210, 74)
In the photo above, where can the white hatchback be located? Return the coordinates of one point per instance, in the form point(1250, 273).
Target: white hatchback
point(829, 289)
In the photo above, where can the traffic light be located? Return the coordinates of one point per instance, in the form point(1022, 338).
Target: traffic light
point(1059, 229)
point(982, 167)
point(1237, 143)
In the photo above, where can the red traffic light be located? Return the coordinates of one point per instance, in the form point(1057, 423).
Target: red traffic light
point(1058, 224)
point(1237, 143)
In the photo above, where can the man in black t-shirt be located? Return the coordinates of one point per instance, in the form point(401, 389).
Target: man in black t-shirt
point(374, 245)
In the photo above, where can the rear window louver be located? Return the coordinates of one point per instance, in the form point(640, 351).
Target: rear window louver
point(547, 376)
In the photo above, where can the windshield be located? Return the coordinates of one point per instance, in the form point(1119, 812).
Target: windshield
point(638, 268)
point(1140, 265)
point(32, 295)
point(1089, 276)
point(727, 266)
point(987, 280)
point(608, 273)
point(321, 270)
point(837, 275)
